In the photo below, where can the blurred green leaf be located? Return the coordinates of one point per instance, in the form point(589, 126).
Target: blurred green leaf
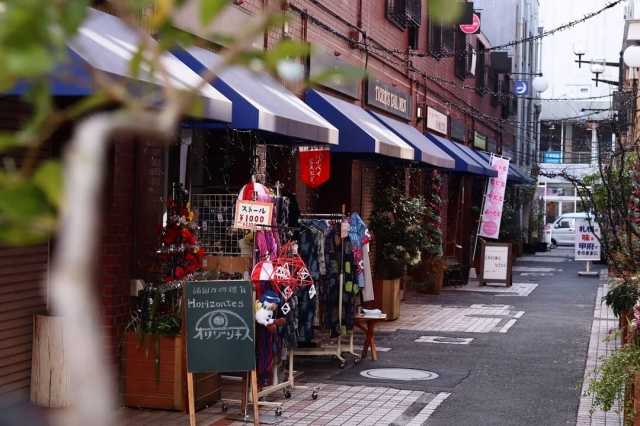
point(286, 49)
point(209, 9)
point(196, 109)
point(345, 72)
point(48, 178)
point(8, 141)
point(19, 234)
point(172, 37)
point(134, 64)
point(447, 11)
point(75, 11)
point(22, 200)
point(28, 61)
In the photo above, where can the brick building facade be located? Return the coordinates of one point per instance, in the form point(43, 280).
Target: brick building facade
point(358, 33)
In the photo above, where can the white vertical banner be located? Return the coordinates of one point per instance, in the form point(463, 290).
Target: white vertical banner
point(494, 199)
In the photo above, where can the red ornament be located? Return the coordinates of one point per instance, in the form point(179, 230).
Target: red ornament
point(315, 165)
point(287, 272)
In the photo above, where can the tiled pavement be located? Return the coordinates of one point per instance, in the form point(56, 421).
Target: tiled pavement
point(371, 405)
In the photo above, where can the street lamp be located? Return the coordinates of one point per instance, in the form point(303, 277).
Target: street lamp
point(630, 56)
point(540, 84)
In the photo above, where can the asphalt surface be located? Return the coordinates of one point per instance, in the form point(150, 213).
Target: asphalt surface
point(527, 375)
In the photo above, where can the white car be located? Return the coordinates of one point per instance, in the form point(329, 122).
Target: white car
point(563, 230)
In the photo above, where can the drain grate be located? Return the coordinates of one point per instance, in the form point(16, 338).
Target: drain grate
point(450, 340)
point(445, 340)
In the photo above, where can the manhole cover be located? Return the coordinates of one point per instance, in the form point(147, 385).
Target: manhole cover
point(398, 374)
point(450, 339)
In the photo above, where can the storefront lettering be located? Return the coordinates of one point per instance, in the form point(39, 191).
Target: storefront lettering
point(388, 98)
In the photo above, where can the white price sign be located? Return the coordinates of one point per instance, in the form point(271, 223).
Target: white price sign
point(250, 214)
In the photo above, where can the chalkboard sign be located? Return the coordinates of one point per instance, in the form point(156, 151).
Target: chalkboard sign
point(496, 263)
point(219, 326)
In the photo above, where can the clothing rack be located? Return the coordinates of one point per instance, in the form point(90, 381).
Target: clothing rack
point(337, 352)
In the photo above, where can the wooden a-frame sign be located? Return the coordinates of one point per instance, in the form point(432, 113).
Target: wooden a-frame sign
point(219, 329)
point(496, 263)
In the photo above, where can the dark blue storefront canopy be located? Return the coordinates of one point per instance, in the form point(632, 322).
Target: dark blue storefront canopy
point(465, 161)
point(515, 175)
point(260, 102)
point(359, 131)
point(526, 178)
point(105, 43)
point(425, 151)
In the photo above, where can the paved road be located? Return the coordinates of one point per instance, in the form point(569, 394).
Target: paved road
point(527, 350)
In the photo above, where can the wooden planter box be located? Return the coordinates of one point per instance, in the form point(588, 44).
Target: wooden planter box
point(141, 388)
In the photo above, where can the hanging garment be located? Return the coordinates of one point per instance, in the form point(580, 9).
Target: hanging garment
point(351, 288)
point(331, 284)
point(288, 334)
point(367, 291)
point(282, 218)
point(359, 236)
point(264, 344)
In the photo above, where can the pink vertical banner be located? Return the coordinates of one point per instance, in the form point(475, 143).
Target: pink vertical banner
point(494, 199)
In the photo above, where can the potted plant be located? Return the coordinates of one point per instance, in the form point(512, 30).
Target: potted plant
point(616, 377)
point(153, 359)
point(403, 235)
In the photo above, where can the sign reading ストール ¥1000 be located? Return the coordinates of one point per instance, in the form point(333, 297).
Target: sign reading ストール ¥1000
point(250, 214)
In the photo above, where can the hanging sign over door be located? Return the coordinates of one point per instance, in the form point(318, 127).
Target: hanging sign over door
point(315, 165)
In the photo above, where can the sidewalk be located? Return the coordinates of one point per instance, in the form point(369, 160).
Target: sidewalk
point(343, 404)
point(603, 323)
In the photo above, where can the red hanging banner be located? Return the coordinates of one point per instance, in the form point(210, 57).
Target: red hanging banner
point(315, 165)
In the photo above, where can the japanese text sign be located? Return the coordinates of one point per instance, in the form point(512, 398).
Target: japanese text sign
point(494, 199)
point(250, 214)
point(219, 326)
point(587, 246)
point(496, 266)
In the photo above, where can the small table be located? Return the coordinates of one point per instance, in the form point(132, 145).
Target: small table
point(367, 324)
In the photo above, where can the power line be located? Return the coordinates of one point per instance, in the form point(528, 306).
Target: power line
point(363, 45)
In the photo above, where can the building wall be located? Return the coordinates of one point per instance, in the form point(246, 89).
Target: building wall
point(132, 205)
point(23, 285)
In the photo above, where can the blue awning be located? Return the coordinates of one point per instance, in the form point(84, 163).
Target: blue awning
point(260, 102)
point(424, 150)
point(525, 176)
point(515, 175)
point(105, 43)
point(359, 131)
point(465, 160)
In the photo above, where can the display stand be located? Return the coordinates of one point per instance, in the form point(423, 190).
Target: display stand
point(337, 352)
point(219, 333)
point(367, 325)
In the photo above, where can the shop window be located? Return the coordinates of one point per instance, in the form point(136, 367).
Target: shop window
point(493, 82)
point(414, 37)
point(396, 13)
point(505, 91)
point(461, 57)
point(404, 13)
point(435, 38)
point(448, 38)
point(481, 82)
